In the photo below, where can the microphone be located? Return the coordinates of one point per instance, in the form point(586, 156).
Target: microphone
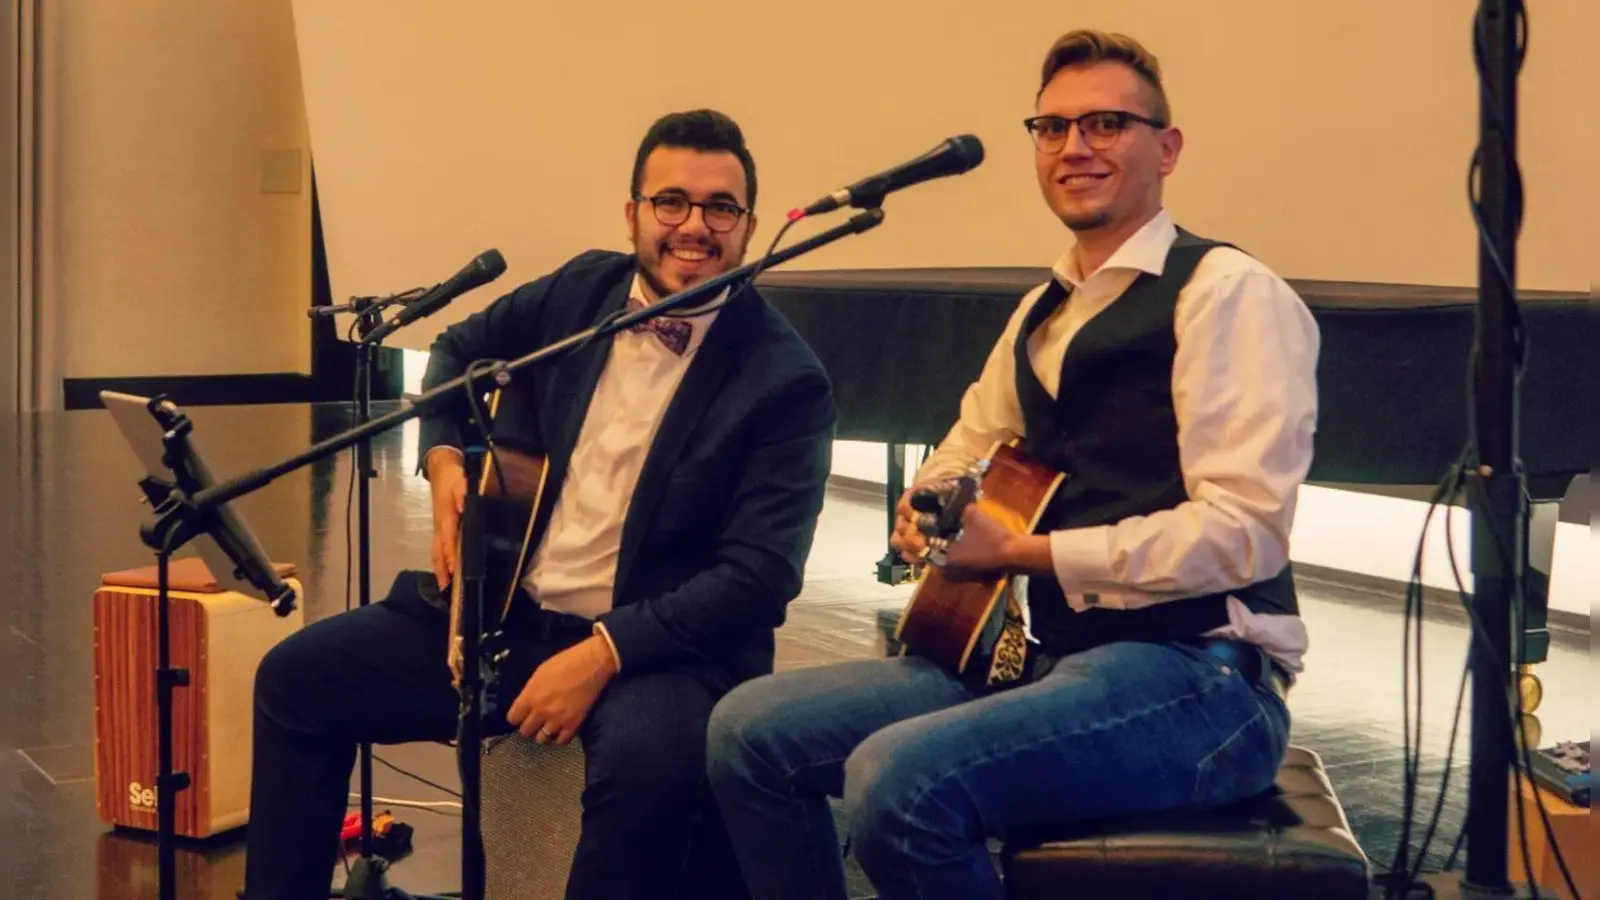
point(486, 267)
point(952, 157)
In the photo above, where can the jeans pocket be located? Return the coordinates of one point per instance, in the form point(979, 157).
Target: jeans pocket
point(1244, 764)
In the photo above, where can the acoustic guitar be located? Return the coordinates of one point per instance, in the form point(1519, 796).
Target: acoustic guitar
point(949, 612)
point(511, 484)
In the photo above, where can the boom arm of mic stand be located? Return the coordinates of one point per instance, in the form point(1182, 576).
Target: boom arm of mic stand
point(445, 396)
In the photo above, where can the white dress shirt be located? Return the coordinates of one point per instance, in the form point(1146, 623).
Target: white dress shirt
point(574, 569)
point(1245, 394)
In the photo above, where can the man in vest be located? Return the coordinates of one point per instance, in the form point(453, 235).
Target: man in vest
point(687, 459)
point(1172, 381)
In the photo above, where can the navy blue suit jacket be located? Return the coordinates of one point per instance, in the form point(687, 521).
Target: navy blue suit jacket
point(717, 533)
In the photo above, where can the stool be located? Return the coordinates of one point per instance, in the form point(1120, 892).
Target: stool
point(531, 816)
point(1292, 841)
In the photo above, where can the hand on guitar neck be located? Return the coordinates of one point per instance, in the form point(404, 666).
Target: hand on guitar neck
point(989, 537)
point(447, 479)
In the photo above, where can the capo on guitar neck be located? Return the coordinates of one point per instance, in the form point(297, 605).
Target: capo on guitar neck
point(940, 507)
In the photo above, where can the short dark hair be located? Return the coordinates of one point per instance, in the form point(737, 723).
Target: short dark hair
point(1086, 45)
point(705, 130)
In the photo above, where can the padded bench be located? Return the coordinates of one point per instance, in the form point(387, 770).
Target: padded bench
point(1292, 841)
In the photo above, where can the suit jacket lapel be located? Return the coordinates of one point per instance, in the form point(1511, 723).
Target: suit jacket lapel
point(572, 389)
point(711, 366)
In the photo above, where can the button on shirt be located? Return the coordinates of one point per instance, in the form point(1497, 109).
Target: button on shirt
point(1245, 394)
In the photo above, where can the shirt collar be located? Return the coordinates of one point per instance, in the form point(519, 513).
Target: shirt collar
point(1144, 251)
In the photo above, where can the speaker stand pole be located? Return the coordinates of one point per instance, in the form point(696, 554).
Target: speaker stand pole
point(1496, 485)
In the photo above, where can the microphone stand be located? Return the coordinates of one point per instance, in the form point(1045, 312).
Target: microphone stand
point(185, 513)
point(366, 879)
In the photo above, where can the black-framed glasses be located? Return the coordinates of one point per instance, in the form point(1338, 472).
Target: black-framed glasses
point(1101, 129)
point(673, 210)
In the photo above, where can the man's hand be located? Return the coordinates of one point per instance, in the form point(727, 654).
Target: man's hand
point(907, 538)
point(556, 700)
point(988, 545)
point(447, 476)
point(985, 545)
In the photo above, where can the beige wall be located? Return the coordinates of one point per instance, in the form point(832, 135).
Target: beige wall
point(181, 177)
point(1331, 139)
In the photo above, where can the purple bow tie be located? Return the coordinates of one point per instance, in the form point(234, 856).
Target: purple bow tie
point(673, 333)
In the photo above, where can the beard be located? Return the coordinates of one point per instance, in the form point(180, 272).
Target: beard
point(650, 264)
point(1085, 221)
point(647, 271)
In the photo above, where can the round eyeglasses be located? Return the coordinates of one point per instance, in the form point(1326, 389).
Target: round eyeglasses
point(673, 210)
point(1101, 129)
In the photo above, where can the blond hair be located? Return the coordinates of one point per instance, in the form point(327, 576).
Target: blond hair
point(1086, 45)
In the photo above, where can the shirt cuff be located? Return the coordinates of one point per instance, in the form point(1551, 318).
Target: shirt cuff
point(600, 629)
point(1081, 558)
point(435, 449)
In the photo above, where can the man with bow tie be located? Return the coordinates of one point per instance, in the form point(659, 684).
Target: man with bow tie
point(686, 464)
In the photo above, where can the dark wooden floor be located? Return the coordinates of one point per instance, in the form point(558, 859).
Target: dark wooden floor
point(69, 510)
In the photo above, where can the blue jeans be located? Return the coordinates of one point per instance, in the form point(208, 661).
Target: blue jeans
point(929, 768)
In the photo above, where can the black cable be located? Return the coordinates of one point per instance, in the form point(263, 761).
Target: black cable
point(355, 465)
point(767, 259)
point(1447, 494)
point(1403, 873)
point(415, 777)
point(1461, 840)
point(480, 417)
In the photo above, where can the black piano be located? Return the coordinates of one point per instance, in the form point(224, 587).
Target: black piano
point(902, 345)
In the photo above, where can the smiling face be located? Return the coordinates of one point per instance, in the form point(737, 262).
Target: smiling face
point(1112, 189)
point(710, 239)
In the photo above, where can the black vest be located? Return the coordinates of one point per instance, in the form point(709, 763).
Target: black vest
point(1111, 428)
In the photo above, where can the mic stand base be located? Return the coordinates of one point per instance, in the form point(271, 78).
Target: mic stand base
point(368, 881)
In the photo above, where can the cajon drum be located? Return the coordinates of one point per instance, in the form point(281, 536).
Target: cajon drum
point(220, 637)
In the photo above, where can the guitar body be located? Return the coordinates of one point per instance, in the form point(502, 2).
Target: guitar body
point(946, 615)
point(510, 487)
